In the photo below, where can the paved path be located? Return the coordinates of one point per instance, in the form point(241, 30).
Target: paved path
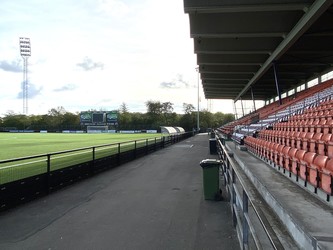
point(155, 202)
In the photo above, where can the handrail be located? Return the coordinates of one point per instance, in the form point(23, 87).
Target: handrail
point(76, 150)
point(245, 226)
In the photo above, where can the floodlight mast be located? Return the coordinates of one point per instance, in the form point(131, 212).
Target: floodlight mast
point(198, 115)
point(25, 50)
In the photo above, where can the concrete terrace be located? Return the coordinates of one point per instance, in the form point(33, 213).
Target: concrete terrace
point(303, 215)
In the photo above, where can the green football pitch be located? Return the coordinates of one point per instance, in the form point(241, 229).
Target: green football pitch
point(39, 145)
point(15, 145)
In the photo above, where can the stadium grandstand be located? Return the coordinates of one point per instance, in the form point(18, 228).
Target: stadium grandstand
point(272, 169)
point(280, 53)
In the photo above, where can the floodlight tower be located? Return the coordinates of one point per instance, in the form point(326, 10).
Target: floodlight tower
point(25, 50)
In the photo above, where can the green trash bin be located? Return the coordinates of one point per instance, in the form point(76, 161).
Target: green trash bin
point(211, 185)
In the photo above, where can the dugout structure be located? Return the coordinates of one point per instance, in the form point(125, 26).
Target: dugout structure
point(172, 130)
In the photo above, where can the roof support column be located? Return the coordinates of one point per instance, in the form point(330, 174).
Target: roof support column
point(254, 103)
point(277, 83)
point(235, 110)
point(242, 107)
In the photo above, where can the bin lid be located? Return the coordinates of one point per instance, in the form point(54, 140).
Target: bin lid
point(207, 163)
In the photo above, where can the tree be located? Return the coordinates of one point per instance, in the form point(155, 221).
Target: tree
point(123, 108)
point(158, 114)
point(15, 121)
point(70, 121)
point(56, 117)
point(220, 119)
point(124, 119)
point(188, 108)
point(154, 108)
point(154, 112)
point(57, 111)
point(206, 120)
point(166, 109)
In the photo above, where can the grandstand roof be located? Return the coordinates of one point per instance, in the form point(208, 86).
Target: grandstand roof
point(237, 42)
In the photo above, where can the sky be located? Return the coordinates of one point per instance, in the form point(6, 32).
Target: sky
point(98, 54)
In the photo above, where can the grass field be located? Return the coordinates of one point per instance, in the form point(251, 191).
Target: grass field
point(30, 144)
point(14, 145)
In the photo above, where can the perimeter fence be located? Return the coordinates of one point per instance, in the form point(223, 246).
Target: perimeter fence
point(27, 178)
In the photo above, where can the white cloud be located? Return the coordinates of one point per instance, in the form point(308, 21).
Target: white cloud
point(13, 66)
point(126, 49)
point(33, 91)
point(88, 64)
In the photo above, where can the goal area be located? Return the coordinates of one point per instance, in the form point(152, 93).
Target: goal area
point(97, 129)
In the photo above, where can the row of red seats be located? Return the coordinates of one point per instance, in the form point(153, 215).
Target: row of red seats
point(318, 114)
point(311, 125)
point(324, 105)
point(311, 167)
point(301, 96)
point(323, 111)
point(319, 143)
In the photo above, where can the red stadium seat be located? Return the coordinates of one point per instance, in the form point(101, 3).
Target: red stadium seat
point(277, 154)
point(315, 170)
point(327, 128)
point(313, 143)
point(271, 151)
point(275, 136)
point(322, 144)
point(253, 144)
point(299, 126)
point(288, 137)
point(314, 125)
point(306, 141)
point(296, 160)
point(262, 134)
point(305, 163)
point(294, 137)
point(289, 126)
point(280, 137)
point(282, 158)
point(326, 178)
point(289, 158)
point(299, 140)
point(330, 116)
point(269, 134)
point(330, 148)
point(263, 147)
point(248, 143)
point(320, 126)
point(259, 147)
point(325, 115)
point(283, 137)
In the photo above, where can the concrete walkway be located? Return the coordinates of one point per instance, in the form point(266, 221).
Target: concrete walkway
point(155, 202)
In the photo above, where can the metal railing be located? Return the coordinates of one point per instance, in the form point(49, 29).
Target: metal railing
point(243, 198)
point(26, 178)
